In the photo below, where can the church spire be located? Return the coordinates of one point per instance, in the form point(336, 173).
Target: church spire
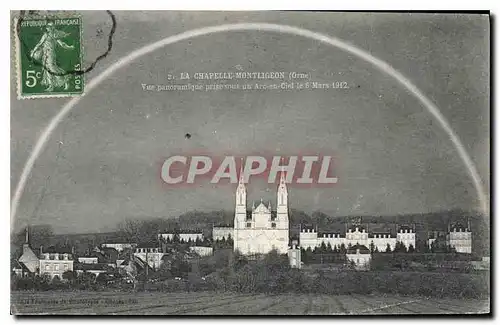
point(282, 197)
point(282, 192)
point(241, 181)
point(241, 194)
point(282, 174)
point(26, 245)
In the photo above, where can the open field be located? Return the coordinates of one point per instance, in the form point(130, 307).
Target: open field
point(210, 303)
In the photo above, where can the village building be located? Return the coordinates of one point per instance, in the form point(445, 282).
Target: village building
point(55, 264)
point(357, 235)
point(119, 246)
point(436, 239)
point(88, 260)
point(19, 269)
point(106, 255)
point(150, 253)
point(406, 236)
point(92, 268)
point(202, 250)
point(360, 256)
point(28, 260)
point(184, 236)
point(460, 238)
point(294, 257)
point(222, 233)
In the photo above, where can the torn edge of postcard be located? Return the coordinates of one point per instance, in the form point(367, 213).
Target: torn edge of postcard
point(49, 56)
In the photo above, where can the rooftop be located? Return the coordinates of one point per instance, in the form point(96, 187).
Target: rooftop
point(92, 267)
point(362, 249)
point(148, 245)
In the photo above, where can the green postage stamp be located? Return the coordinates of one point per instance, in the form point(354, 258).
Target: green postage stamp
point(49, 57)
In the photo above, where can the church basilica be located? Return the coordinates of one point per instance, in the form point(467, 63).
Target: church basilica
point(261, 229)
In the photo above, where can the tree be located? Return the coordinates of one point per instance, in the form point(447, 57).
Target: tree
point(401, 248)
point(322, 248)
point(102, 279)
point(239, 261)
point(303, 255)
point(230, 241)
point(306, 255)
point(329, 248)
point(372, 247)
point(411, 249)
point(388, 248)
point(136, 231)
point(86, 280)
point(180, 268)
point(434, 247)
point(56, 280)
point(69, 276)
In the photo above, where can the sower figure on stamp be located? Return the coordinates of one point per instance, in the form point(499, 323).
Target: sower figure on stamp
point(45, 52)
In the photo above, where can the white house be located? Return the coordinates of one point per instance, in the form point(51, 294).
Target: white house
point(219, 233)
point(460, 238)
point(381, 240)
point(360, 256)
point(54, 264)
point(150, 253)
point(202, 250)
point(357, 235)
point(294, 257)
point(88, 260)
point(406, 235)
point(431, 241)
point(119, 246)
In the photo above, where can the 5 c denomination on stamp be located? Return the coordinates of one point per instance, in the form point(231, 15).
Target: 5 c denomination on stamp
point(49, 57)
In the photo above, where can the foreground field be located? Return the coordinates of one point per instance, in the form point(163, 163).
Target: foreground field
point(210, 303)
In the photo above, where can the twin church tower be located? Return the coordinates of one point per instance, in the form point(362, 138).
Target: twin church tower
point(260, 230)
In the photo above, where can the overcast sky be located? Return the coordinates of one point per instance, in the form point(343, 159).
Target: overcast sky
point(391, 156)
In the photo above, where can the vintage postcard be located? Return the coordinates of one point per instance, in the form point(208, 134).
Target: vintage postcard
point(250, 163)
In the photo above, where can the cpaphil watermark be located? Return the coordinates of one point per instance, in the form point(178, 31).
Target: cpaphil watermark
point(306, 170)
